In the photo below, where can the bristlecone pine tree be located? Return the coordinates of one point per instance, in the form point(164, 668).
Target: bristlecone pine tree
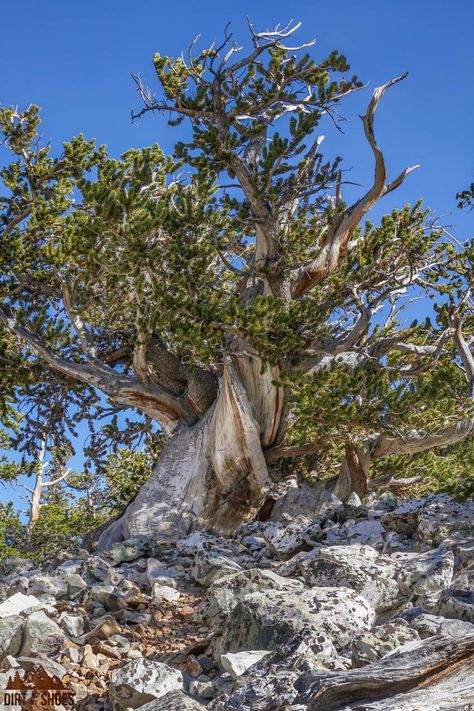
point(228, 292)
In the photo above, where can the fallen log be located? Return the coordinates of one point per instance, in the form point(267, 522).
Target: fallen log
point(436, 673)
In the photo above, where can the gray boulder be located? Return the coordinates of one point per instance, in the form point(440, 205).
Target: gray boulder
point(442, 517)
point(41, 636)
point(430, 625)
point(464, 580)
point(11, 629)
point(73, 624)
point(284, 541)
point(265, 620)
point(13, 565)
point(273, 680)
point(378, 641)
point(364, 532)
point(422, 576)
point(457, 604)
point(141, 681)
point(404, 518)
point(358, 567)
point(224, 594)
point(131, 549)
point(212, 557)
point(48, 585)
point(75, 583)
point(302, 499)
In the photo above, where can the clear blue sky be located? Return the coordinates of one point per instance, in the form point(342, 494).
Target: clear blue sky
point(75, 59)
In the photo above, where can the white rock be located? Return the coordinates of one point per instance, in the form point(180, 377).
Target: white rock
point(18, 603)
point(285, 541)
point(73, 624)
point(354, 500)
point(10, 635)
point(423, 576)
point(48, 585)
point(237, 664)
point(224, 594)
point(164, 592)
point(140, 681)
point(358, 567)
point(265, 620)
point(365, 532)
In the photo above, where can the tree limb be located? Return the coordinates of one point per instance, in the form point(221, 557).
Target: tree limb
point(336, 239)
point(151, 399)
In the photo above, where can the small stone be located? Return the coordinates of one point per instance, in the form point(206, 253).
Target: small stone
point(9, 662)
point(76, 584)
point(128, 590)
point(123, 644)
point(90, 660)
point(105, 629)
point(202, 689)
point(108, 597)
point(237, 664)
point(206, 663)
point(70, 567)
point(50, 666)
point(164, 592)
point(192, 666)
point(47, 585)
point(353, 501)
point(73, 624)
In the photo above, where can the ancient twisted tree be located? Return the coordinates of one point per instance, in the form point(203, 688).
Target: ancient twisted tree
point(228, 292)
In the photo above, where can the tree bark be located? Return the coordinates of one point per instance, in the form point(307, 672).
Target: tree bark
point(211, 475)
point(354, 472)
point(436, 673)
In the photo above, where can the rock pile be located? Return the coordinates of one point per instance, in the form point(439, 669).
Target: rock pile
point(323, 606)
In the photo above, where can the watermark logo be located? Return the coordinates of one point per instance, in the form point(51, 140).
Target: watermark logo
point(37, 691)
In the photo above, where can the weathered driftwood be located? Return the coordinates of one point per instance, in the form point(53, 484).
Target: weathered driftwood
point(437, 673)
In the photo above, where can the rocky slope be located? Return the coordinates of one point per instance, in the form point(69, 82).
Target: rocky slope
point(323, 606)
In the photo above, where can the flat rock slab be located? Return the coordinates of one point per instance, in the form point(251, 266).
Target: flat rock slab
point(17, 604)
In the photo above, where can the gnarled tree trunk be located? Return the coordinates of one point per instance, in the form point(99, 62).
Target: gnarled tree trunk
point(212, 474)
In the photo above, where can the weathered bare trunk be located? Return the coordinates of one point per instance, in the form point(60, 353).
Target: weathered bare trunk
point(211, 475)
point(436, 673)
point(354, 471)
